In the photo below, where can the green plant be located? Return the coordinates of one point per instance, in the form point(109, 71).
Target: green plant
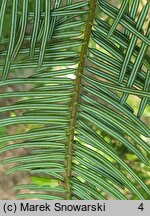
point(85, 59)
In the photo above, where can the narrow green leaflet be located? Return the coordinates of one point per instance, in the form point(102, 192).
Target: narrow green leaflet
point(75, 97)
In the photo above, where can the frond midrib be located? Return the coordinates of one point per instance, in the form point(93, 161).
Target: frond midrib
point(76, 95)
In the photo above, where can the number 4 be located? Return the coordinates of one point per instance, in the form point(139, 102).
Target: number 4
point(141, 207)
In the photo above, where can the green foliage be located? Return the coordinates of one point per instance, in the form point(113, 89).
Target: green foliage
point(71, 73)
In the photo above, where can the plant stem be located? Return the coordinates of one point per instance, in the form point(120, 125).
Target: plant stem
point(76, 95)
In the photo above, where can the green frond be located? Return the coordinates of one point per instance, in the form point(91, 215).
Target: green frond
point(68, 70)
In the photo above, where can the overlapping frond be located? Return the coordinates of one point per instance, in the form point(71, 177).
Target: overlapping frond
point(82, 70)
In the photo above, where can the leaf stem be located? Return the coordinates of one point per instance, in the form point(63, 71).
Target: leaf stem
point(76, 95)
